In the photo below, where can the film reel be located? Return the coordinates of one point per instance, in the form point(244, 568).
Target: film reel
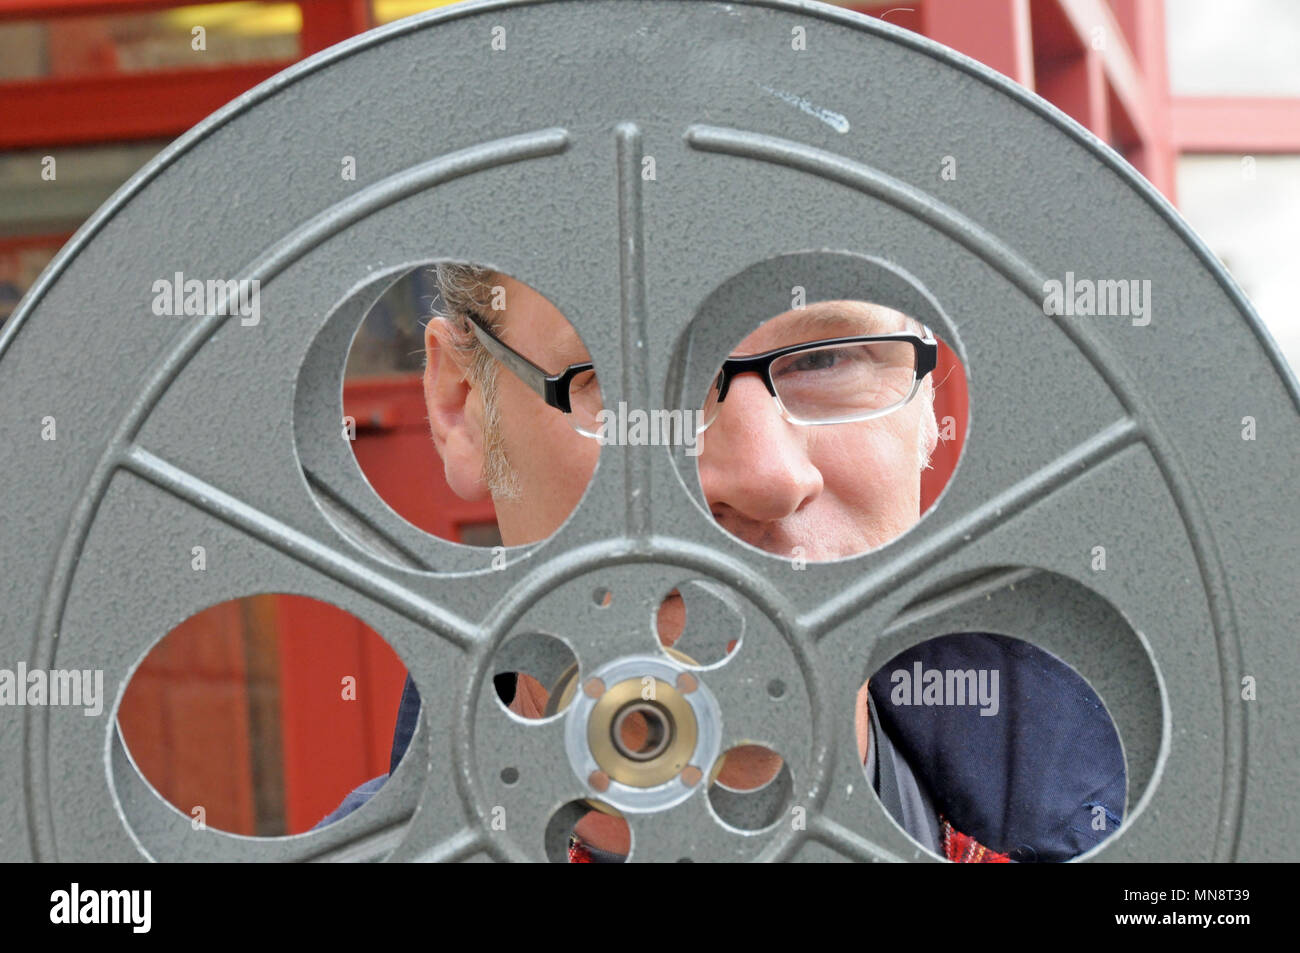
point(773, 167)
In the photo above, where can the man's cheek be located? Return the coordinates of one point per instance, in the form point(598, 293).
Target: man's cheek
point(870, 472)
point(558, 476)
point(582, 454)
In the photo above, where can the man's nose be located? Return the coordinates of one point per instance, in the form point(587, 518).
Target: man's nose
point(753, 461)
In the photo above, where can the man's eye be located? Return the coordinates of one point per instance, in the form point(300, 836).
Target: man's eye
point(813, 361)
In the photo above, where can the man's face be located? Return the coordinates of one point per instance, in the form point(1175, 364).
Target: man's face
point(819, 492)
point(551, 461)
point(831, 490)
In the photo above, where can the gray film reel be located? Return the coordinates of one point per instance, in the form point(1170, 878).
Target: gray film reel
point(774, 167)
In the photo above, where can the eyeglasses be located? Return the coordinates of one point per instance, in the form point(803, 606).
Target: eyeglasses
point(834, 380)
point(830, 381)
point(574, 391)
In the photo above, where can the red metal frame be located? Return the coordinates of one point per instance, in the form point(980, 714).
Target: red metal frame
point(995, 32)
point(1238, 124)
point(332, 743)
point(114, 107)
point(20, 242)
point(1119, 91)
point(326, 22)
point(1116, 68)
point(49, 9)
point(122, 107)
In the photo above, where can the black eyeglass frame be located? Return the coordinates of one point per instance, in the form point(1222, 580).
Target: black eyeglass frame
point(927, 356)
point(552, 388)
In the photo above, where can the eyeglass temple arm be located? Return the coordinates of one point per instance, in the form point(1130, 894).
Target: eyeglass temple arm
point(552, 388)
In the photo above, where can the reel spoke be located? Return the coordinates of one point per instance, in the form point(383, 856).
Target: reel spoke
point(299, 546)
point(919, 555)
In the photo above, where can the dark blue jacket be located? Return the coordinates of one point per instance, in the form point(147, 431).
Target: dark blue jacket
point(1035, 781)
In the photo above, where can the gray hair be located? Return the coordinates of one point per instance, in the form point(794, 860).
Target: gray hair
point(463, 288)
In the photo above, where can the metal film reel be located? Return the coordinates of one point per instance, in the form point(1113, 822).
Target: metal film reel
point(774, 166)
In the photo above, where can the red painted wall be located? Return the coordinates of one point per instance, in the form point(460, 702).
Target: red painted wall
point(332, 743)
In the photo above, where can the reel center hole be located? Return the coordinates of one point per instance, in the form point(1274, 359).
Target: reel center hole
point(642, 730)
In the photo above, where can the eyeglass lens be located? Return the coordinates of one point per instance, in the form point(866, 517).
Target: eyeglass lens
point(838, 381)
point(585, 402)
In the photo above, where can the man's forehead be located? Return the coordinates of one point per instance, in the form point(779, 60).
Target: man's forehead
point(832, 319)
point(541, 332)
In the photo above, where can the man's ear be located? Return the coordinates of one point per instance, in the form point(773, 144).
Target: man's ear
point(455, 408)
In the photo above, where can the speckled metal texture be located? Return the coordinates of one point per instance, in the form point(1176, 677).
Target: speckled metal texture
point(774, 166)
